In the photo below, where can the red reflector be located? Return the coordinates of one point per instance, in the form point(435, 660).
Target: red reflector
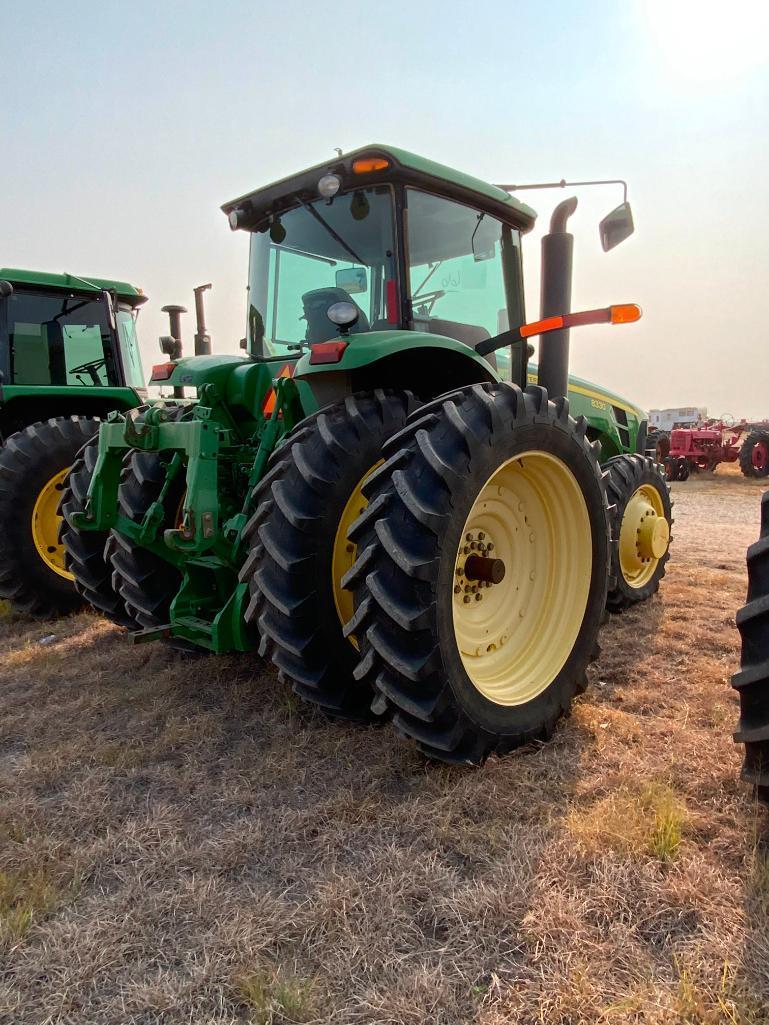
point(162, 371)
point(327, 352)
point(391, 301)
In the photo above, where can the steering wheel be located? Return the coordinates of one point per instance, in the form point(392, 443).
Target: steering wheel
point(426, 300)
point(90, 368)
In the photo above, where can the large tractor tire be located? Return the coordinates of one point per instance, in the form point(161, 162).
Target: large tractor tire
point(146, 582)
point(752, 681)
point(641, 519)
point(87, 559)
point(299, 550)
point(33, 466)
point(754, 454)
point(482, 569)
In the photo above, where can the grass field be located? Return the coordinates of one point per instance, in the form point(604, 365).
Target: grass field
point(184, 842)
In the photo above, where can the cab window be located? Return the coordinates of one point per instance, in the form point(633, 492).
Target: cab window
point(464, 270)
point(317, 255)
point(59, 340)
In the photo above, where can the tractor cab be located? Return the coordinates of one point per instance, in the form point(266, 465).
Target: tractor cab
point(381, 241)
point(58, 331)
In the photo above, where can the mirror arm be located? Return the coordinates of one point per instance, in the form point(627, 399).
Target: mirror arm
point(563, 184)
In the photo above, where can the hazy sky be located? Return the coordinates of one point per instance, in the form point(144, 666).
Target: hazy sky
point(124, 127)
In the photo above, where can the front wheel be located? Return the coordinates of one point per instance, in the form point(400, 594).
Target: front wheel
point(641, 520)
point(481, 578)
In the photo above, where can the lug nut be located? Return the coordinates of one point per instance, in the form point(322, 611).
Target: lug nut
point(489, 546)
point(468, 536)
point(478, 597)
point(457, 589)
point(467, 599)
point(481, 535)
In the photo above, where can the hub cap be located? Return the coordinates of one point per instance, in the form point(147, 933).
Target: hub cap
point(514, 636)
point(45, 525)
point(644, 536)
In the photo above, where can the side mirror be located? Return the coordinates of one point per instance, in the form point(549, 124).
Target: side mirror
point(170, 347)
point(243, 344)
point(616, 226)
point(6, 289)
point(352, 279)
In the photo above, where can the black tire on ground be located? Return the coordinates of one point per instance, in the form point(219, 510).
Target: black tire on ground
point(683, 468)
point(300, 504)
point(30, 459)
point(86, 556)
point(410, 541)
point(752, 681)
point(146, 582)
point(623, 476)
point(658, 446)
point(671, 469)
point(753, 440)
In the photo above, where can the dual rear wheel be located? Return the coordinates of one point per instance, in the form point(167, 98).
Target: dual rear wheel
point(464, 599)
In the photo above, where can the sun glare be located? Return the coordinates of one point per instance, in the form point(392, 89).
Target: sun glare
point(701, 41)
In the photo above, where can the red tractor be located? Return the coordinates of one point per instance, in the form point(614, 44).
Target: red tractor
point(691, 449)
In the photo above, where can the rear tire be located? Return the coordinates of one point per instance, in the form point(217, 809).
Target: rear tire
point(754, 454)
point(33, 465)
point(752, 681)
point(298, 547)
point(86, 556)
point(485, 454)
point(638, 499)
point(683, 469)
point(146, 582)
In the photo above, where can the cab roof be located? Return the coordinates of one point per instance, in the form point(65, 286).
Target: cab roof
point(72, 283)
point(407, 168)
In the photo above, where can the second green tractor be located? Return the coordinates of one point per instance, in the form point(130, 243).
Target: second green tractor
point(383, 495)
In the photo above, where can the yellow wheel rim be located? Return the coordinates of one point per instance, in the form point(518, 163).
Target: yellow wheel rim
point(644, 536)
point(345, 552)
point(515, 636)
point(45, 525)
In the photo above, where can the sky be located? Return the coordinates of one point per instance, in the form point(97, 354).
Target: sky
point(124, 128)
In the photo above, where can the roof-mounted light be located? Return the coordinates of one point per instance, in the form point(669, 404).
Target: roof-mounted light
point(329, 185)
point(236, 218)
point(365, 165)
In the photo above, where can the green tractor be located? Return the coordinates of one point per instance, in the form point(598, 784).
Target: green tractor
point(376, 496)
point(68, 356)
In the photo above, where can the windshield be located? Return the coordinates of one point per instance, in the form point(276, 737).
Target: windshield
point(59, 339)
point(129, 348)
point(317, 255)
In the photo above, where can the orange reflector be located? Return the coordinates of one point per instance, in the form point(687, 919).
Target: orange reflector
point(162, 371)
point(327, 352)
point(539, 327)
point(269, 403)
point(365, 165)
point(626, 313)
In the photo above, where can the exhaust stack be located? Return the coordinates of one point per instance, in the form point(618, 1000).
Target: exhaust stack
point(555, 299)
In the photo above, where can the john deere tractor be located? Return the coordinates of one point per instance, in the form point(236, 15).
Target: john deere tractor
point(68, 355)
point(375, 496)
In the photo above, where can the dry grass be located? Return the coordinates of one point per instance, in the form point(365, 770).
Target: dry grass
point(182, 842)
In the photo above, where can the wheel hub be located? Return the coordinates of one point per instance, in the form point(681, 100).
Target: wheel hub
point(644, 536)
point(521, 578)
